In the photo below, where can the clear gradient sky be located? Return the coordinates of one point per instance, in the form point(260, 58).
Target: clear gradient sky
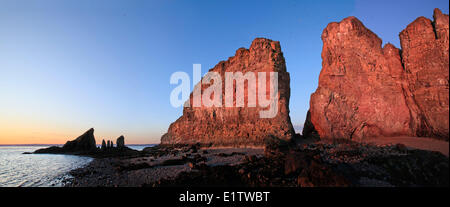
point(67, 66)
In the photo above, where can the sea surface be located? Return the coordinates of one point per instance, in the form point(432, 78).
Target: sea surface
point(39, 170)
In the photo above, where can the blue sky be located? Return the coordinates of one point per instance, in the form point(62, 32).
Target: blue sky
point(67, 66)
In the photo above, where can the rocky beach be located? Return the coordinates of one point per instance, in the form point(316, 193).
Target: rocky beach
point(302, 164)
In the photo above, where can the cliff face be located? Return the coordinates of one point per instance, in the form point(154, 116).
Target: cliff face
point(425, 58)
point(369, 91)
point(238, 126)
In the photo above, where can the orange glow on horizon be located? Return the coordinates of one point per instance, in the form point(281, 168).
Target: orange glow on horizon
point(12, 135)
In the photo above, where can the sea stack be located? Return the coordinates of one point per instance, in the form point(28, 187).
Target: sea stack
point(238, 126)
point(84, 143)
point(366, 90)
point(120, 142)
point(103, 145)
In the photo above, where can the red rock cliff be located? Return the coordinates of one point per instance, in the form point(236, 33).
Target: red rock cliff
point(238, 126)
point(425, 58)
point(369, 91)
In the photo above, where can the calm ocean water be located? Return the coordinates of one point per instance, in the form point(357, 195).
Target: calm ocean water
point(34, 170)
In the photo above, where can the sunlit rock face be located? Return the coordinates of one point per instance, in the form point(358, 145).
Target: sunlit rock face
point(360, 89)
point(239, 126)
point(425, 58)
point(366, 90)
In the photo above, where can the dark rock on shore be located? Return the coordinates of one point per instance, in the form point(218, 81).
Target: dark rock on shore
point(274, 146)
point(120, 142)
point(341, 163)
point(50, 150)
point(323, 165)
point(103, 145)
point(115, 152)
point(85, 145)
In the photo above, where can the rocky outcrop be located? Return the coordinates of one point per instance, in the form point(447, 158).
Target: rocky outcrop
point(366, 90)
point(120, 142)
point(425, 47)
point(238, 126)
point(103, 145)
point(84, 143)
point(360, 85)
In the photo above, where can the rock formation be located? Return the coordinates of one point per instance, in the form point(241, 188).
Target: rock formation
point(366, 90)
point(238, 126)
point(425, 57)
point(108, 144)
point(84, 143)
point(103, 145)
point(120, 143)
